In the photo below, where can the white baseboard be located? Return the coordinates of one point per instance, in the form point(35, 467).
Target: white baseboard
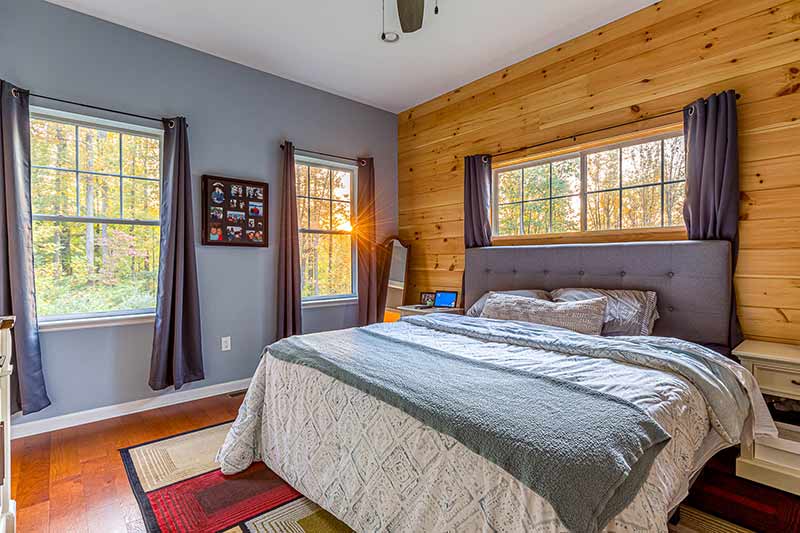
point(26, 429)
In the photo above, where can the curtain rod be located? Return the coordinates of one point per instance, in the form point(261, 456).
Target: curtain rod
point(354, 159)
point(94, 107)
point(598, 130)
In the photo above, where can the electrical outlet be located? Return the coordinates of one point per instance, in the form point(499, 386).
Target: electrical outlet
point(225, 344)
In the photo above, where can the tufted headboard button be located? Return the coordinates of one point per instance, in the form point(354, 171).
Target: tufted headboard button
point(514, 271)
point(671, 274)
point(488, 270)
point(581, 272)
point(623, 273)
point(670, 308)
point(546, 272)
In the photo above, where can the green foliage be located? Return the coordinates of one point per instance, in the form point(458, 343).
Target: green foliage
point(323, 204)
point(84, 267)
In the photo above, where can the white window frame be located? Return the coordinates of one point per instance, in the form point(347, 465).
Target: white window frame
point(338, 299)
point(100, 318)
point(583, 193)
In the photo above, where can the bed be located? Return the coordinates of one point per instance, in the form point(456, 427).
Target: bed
point(389, 428)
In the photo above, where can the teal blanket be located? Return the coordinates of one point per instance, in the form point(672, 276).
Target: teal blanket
point(585, 451)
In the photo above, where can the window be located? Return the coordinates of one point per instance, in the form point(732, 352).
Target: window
point(325, 212)
point(95, 195)
point(628, 186)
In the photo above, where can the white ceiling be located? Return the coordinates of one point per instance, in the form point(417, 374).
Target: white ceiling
point(334, 45)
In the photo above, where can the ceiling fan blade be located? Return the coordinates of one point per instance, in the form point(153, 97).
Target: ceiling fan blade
point(411, 13)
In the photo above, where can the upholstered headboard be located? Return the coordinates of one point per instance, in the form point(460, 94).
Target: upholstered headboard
point(692, 278)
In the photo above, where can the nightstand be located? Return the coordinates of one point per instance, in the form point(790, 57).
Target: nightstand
point(773, 461)
point(408, 310)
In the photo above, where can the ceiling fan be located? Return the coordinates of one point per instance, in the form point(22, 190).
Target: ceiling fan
point(411, 14)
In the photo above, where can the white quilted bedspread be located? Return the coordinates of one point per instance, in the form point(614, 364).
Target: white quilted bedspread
point(378, 469)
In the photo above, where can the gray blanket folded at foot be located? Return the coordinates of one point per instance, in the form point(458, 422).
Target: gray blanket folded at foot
point(586, 452)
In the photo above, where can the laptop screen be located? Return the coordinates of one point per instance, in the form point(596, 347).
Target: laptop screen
point(445, 299)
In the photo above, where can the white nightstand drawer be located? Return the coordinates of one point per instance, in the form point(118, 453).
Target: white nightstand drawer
point(779, 381)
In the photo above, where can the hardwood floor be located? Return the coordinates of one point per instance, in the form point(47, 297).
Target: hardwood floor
point(73, 480)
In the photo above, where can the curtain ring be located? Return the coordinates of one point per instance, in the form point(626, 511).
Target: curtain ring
point(171, 124)
point(15, 92)
point(691, 111)
point(362, 162)
point(485, 159)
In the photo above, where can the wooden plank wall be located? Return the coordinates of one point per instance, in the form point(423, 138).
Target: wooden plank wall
point(652, 61)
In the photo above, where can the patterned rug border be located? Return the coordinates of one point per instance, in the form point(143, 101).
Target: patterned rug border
point(149, 517)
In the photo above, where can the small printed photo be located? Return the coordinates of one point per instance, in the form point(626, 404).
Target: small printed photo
point(234, 233)
point(235, 217)
point(218, 193)
point(236, 190)
point(215, 232)
point(253, 235)
point(216, 213)
point(427, 298)
point(251, 223)
point(255, 193)
point(255, 209)
point(241, 204)
point(233, 203)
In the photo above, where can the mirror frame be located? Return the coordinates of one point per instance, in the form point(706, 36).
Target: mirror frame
point(388, 242)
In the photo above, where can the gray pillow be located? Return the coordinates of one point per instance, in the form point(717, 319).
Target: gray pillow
point(477, 307)
point(629, 312)
point(583, 316)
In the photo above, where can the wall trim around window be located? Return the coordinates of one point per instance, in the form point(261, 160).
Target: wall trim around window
point(68, 324)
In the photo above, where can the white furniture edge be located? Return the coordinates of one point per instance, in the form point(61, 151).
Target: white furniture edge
point(35, 427)
point(8, 507)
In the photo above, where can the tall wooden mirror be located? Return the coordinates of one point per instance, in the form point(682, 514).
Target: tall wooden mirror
point(398, 276)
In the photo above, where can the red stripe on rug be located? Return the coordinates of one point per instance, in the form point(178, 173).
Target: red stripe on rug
point(212, 501)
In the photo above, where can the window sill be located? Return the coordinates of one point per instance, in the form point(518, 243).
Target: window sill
point(330, 302)
point(96, 322)
point(580, 237)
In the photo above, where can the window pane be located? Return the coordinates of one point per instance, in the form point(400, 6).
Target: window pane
point(141, 199)
point(567, 177)
point(536, 217)
point(99, 196)
point(90, 268)
point(52, 144)
point(508, 219)
point(320, 213)
point(602, 170)
point(326, 264)
point(320, 183)
point(537, 182)
point(509, 186)
point(341, 216)
point(341, 185)
point(302, 213)
point(641, 207)
point(641, 164)
point(674, 159)
point(602, 211)
point(301, 179)
point(141, 156)
point(566, 214)
point(98, 150)
point(674, 197)
point(53, 192)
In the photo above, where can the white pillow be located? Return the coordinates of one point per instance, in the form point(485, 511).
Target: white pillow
point(583, 316)
point(629, 312)
point(477, 307)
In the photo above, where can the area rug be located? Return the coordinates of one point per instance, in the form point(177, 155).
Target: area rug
point(180, 489)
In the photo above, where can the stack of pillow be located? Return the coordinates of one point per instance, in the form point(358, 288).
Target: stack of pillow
point(608, 312)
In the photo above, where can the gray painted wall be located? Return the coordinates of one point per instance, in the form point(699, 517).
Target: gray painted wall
point(237, 118)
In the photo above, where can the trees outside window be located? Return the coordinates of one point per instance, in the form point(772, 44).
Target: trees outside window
point(325, 212)
point(624, 187)
point(95, 198)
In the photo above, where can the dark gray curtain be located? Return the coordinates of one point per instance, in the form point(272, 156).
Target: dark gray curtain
point(177, 345)
point(17, 292)
point(711, 210)
point(477, 200)
point(369, 307)
point(290, 317)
